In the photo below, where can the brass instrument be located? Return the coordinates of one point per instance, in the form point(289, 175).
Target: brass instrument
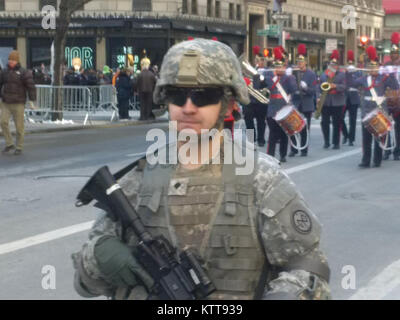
point(326, 86)
point(260, 95)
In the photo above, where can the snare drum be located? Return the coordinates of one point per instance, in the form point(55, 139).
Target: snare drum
point(290, 120)
point(377, 123)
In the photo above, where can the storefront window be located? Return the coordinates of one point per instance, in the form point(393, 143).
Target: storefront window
point(6, 46)
point(84, 48)
point(127, 52)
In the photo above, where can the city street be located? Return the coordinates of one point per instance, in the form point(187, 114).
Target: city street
point(40, 226)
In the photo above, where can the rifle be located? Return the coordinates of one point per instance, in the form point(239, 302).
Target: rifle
point(175, 279)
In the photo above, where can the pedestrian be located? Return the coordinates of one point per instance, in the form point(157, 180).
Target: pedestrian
point(107, 75)
point(304, 97)
point(374, 86)
point(251, 233)
point(71, 78)
point(15, 84)
point(282, 84)
point(124, 88)
point(115, 76)
point(352, 103)
point(145, 84)
point(92, 79)
point(333, 105)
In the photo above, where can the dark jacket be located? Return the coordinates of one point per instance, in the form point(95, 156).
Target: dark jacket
point(15, 84)
point(380, 83)
point(124, 86)
point(92, 78)
point(303, 99)
point(146, 81)
point(353, 96)
point(276, 102)
point(335, 97)
point(71, 78)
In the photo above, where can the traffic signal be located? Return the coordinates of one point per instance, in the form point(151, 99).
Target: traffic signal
point(364, 40)
point(266, 52)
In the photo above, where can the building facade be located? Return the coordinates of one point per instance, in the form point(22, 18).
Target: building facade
point(392, 23)
point(106, 31)
point(314, 21)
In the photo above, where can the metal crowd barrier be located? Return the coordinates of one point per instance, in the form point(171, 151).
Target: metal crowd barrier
point(76, 101)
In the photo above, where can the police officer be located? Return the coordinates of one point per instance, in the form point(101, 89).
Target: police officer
point(304, 97)
point(281, 83)
point(374, 86)
point(352, 104)
point(257, 109)
point(334, 102)
point(237, 223)
point(394, 64)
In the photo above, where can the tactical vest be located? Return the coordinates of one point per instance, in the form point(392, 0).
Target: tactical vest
point(232, 254)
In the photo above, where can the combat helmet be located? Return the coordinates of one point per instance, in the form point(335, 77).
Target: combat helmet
point(201, 63)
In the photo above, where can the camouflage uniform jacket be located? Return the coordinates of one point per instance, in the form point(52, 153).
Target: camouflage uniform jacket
point(288, 230)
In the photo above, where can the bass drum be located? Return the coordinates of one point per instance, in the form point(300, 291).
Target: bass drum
point(290, 120)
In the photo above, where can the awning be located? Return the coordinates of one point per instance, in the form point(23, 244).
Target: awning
point(311, 37)
point(188, 25)
point(228, 29)
point(8, 24)
point(97, 23)
point(150, 25)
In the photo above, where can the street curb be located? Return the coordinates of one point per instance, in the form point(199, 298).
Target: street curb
point(87, 127)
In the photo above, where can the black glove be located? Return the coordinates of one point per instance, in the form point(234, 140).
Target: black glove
point(117, 263)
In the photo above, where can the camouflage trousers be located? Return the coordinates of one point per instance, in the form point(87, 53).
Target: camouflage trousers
point(16, 110)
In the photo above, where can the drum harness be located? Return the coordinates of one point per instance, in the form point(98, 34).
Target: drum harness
point(379, 100)
point(286, 97)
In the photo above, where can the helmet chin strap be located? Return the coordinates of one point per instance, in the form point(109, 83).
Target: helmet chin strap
point(219, 124)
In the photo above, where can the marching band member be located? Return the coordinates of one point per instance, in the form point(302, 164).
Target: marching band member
point(395, 109)
point(374, 85)
point(352, 103)
point(303, 98)
point(256, 109)
point(281, 84)
point(334, 102)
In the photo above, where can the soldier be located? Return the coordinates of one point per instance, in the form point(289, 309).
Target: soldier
point(352, 104)
point(281, 84)
point(257, 109)
point(394, 63)
point(304, 98)
point(334, 103)
point(236, 223)
point(374, 86)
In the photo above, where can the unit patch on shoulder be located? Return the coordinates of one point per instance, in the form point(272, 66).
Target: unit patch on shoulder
point(301, 222)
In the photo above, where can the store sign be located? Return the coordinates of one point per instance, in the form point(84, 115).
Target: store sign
point(84, 53)
point(330, 45)
point(270, 30)
point(133, 60)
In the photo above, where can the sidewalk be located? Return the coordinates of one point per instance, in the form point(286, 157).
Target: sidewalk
point(72, 122)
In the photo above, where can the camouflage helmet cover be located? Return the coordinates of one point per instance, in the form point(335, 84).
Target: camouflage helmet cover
point(201, 63)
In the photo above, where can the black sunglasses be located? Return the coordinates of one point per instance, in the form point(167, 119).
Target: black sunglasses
point(200, 96)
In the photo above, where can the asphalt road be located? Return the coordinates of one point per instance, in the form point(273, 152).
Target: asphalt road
point(358, 209)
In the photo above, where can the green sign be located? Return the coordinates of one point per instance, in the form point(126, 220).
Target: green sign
point(271, 30)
